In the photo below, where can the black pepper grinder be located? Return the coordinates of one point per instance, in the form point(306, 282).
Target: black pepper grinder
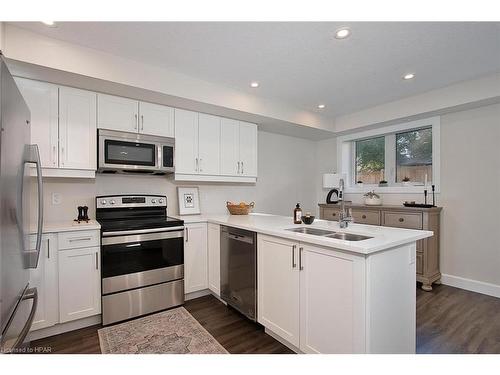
point(80, 214)
point(86, 213)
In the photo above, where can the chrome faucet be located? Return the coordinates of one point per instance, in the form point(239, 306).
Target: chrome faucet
point(345, 216)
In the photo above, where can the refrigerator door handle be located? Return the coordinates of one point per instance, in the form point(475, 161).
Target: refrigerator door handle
point(34, 157)
point(31, 293)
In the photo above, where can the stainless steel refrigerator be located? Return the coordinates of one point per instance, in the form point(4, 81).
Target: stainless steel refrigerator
point(18, 160)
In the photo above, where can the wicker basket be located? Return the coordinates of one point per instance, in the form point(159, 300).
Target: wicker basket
point(238, 209)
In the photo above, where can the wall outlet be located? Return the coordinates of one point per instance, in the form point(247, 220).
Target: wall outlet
point(56, 198)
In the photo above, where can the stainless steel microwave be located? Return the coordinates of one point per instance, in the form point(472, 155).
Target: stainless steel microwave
point(122, 152)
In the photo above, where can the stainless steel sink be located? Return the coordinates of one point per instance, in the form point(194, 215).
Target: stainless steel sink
point(313, 231)
point(348, 237)
point(329, 234)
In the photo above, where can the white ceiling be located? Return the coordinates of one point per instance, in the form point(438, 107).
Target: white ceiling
point(302, 64)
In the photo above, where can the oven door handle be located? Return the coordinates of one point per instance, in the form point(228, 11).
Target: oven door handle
point(142, 231)
point(132, 239)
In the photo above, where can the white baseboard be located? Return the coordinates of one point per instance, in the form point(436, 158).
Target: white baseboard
point(64, 327)
point(197, 294)
point(472, 285)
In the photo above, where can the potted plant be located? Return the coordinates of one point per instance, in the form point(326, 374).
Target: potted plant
point(382, 183)
point(406, 181)
point(372, 199)
point(359, 183)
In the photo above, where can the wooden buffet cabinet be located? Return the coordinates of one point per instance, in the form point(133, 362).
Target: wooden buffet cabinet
point(402, 217)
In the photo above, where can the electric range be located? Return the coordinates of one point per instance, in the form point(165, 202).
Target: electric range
point(142, 256)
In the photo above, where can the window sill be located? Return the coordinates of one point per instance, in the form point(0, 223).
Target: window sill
point(390, 189)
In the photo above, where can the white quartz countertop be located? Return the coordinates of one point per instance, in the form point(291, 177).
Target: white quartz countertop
point(273, 225)
point(67, 226)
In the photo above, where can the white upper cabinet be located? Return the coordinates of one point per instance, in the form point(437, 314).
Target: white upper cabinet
point(133, 116)
point(117, 113)
point(155, 119)
point(77, 129)
point(248, 149)
point(230, 150)
point(186, 142)
point(208, 144)
point(42, 100)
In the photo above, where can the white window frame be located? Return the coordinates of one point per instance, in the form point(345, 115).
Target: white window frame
point(346, 157)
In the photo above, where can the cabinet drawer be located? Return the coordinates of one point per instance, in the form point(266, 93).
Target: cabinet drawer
point(402, 219)
point(366, 217)
point(331, 214)
point(78, 239)
point(420, 263)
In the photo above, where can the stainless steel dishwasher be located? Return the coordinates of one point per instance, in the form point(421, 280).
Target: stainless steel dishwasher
point(238, 270)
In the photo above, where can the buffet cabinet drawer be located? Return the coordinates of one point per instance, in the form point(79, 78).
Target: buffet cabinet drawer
point(78, 239)
point(331, 214)
point(420, 263)
point(366, 217)
point(402, 219)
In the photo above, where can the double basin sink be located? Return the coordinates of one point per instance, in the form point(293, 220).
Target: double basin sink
point(329, 234)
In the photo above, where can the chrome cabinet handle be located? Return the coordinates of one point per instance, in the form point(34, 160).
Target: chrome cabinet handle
point(301, 249)
point(48, 248)
point(197, 165)
point(200, 169)
point(142, 122)
point(62, 156)
point(293, 256)
point(96, 261)
point(54, 151)
point(242, 168)
point(187, 234)
point(136, 126)
point(238, 168)
point(80, 239)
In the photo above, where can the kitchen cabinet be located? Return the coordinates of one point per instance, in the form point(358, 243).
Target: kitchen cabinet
point(238, 148)
point(214, 258)
point(42, 99)
point(278, 280)
point(45, 279)
point(195, 257)
point(79, 283)
point(77, 129)
point(133, 116)
point(197, 143)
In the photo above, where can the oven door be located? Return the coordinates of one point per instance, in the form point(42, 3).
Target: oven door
point(136, 260)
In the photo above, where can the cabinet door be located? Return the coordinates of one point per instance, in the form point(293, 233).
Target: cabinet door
point(248, 149)
point(79, 283)
point(45, 279)
point(186, 142)
point(329, 316)
point(116, 113)
point(156, 119)
point(209, 144)
point(195, 257)
point(214, 258)
point(278, 284)
point(230, 147)
point(42, 100)
point(77, 129)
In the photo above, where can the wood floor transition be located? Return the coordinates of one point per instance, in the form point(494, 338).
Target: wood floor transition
point(449, 320)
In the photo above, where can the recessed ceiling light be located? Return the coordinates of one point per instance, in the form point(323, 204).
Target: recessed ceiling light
point(342, 33)
point(49, 23)
point(254, 84)
point(321, 106)
point(408, 76)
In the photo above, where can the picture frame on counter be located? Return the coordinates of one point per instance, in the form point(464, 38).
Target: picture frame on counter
point(189, 200)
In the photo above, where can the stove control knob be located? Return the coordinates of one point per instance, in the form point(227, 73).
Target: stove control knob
point(153, 200)
point(112, 201)
point(103, 202)
point(160, 201)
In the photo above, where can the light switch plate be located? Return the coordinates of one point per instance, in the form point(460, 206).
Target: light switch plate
point(56, 198)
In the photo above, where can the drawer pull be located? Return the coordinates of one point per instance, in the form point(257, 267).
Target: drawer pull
point(401, 219)
point(80, 239)
point(363, 217)
point(334, 214)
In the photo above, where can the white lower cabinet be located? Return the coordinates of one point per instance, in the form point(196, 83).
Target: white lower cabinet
point(214, 258)
point(45, 279)
point(310, 296)
point(79, 283)
point(195, 257)
point(278, 287)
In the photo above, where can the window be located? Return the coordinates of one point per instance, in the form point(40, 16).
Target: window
point(370, 160)
point(406, 156)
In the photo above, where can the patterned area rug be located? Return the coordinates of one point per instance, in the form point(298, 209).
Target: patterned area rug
point(170, 332)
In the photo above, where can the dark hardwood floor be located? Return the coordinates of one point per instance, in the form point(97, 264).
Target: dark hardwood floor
point(449, 320)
